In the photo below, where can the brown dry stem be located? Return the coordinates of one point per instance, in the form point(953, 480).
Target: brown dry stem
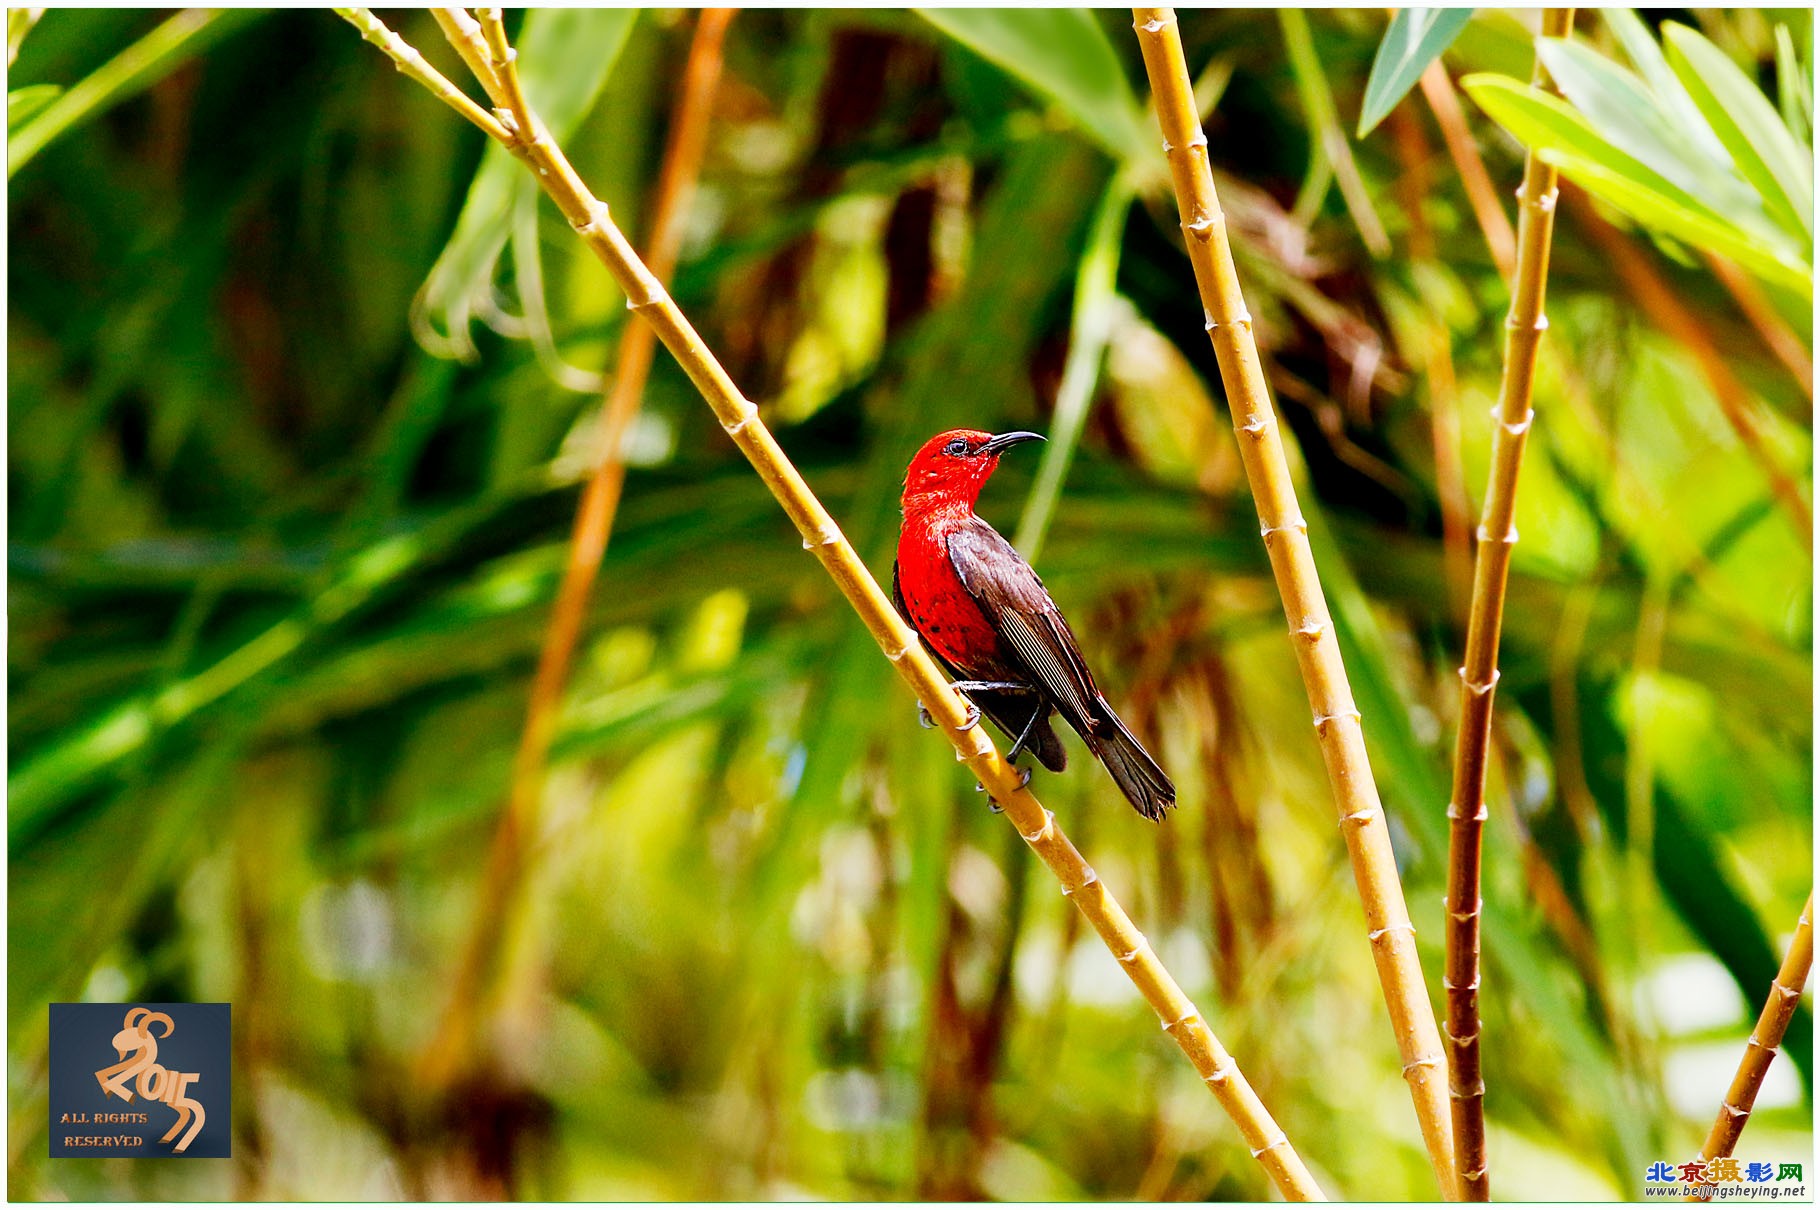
point(1479, 670)
point(1444, 103)
point(1670, 314)
point(739, 417)
point(1336, 718)
point(507, 857)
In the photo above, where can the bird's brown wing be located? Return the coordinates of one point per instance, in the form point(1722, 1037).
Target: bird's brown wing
point(1011, 712)
point(1034, 638)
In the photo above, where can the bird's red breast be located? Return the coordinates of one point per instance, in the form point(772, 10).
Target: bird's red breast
point(940, 488)
point(940, 607)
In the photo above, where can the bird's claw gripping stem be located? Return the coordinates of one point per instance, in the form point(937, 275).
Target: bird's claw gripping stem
point(1022, 781)
point(972, 720)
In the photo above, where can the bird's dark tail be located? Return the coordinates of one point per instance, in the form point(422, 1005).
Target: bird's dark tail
point(1134, 769)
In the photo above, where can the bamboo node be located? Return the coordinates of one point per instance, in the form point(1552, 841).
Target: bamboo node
point(1240, 320)
point(1193, 1014)
point(1201, 228)
point(1733, 1112)
point(1468, 914)
point(1089, 880)
point(1375, 935)
point(1042, 833)
point(1156, 24)
point(1479, 688)
point(982, 748)
point(1424, 1061)
point(1259, 425)
point(1451, 986)
point(827, 535)
point(1218, 1075)
point(597, 220)
point(737, 427)
point(1771, 1051)
point(1479, 814)
point(1131, 955)
point(1311, 630)
point(1295, 523)
point(1509, 538)
point(1361, 817)
point(1281, 1140)
point(1321, 720)
point(1520, 427)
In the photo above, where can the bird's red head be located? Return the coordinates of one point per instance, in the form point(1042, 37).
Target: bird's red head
point(952, 467)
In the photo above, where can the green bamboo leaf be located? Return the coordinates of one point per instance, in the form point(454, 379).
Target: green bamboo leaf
point(1766, 154)
point(22, 103)
point(1065, 57)
point(1794, 91)
point(1647, 57)
point(1416, 37)
point(567, 55)
point(1620, 107)
point(127, 74)
point(1568, 141)
point(1095, 292)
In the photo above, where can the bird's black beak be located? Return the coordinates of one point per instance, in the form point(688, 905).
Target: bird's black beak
point(1005, 441)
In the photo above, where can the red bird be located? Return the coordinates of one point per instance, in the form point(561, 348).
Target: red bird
point(988, 618)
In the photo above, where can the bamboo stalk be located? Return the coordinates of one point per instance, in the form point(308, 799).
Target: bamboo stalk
point(1772, 1023)
point(465, 35)
point(1336, 718)
point(1466, 811)
point(822, 537)
point(594, 515)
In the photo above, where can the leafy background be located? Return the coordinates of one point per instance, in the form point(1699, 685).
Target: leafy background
point(299, 385)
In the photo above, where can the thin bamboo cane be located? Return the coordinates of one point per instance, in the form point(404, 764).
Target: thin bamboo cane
point(506, 862)
point(822, 537)
point(1336, 718)
point(470, 42)
point(1772, 1023)
point(1466, 811)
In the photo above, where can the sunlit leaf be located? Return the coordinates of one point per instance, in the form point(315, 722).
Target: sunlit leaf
point(133, 70)
point(1794, 91)
point(1647, 57)
point(1416, 38)
point(1064, 55)
point(1620, 107)
point(1766, 154)
point(22, 103)
point(1565, 139)
point(567, 56)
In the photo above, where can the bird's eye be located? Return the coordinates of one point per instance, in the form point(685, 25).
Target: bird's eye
point(957, 447)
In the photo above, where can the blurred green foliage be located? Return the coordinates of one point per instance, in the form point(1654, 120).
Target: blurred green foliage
point(278, 577)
